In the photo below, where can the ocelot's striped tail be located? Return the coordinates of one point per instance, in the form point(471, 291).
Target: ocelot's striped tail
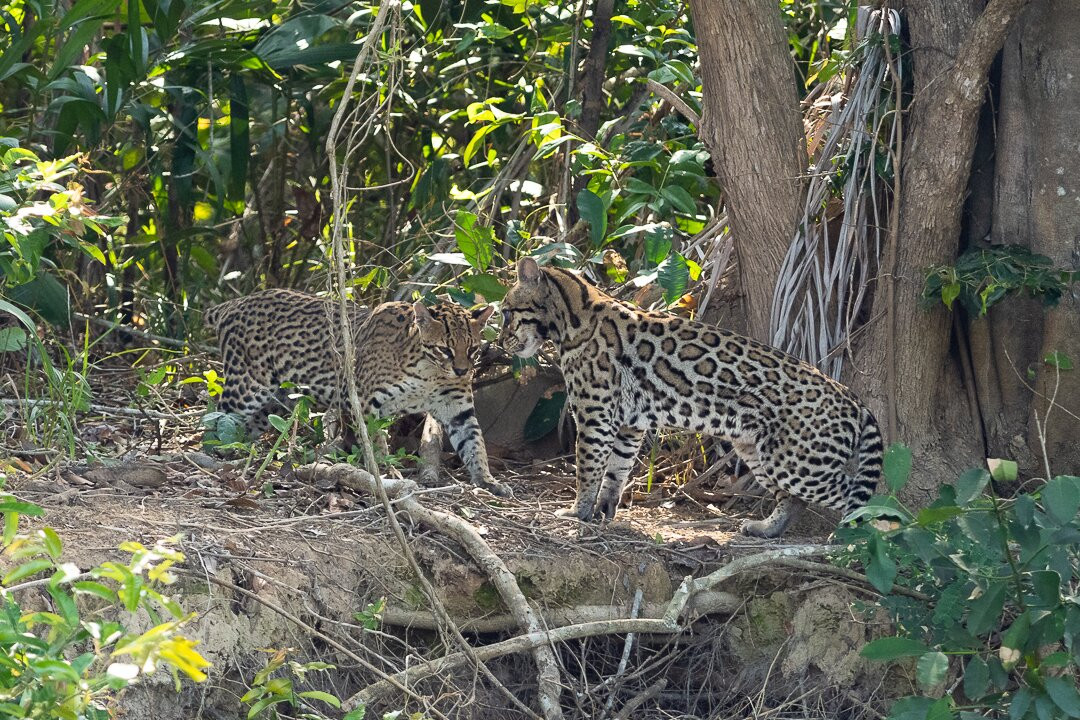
point(870, 449)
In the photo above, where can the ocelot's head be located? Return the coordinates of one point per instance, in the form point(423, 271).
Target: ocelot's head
point(450, 335)
point(525, 311)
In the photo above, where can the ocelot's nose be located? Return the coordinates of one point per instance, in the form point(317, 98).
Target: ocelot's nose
point(460, 371)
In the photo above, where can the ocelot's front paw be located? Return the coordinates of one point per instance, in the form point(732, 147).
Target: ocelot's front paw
point(760, 528)
point(605, 509)
point(497, 489)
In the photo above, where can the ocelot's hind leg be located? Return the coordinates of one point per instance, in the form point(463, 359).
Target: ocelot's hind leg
point(787, 509)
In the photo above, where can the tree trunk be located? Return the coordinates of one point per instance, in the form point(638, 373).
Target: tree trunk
point(1036, 203)
point(953, 46)
point(752, 126)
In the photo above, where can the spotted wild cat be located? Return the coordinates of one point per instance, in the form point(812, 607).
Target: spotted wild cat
point(410, 359)
point(805, 437)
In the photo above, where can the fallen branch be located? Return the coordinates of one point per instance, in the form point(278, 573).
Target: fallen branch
point(675, 101)
point(710, 602)
point(549, 678)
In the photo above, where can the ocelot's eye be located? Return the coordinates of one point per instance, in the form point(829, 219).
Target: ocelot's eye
point(448, 353)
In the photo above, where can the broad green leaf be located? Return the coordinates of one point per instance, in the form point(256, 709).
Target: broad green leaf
point(970, 485)
point(673, 276)
point(896, 466)
point(976, 678)
point(1019, 704)
point(891, 648)
point(679, 199)
point(485, 284)
point(911, 708)
point(320, 695)
point(949, 293)
point(27, 569)
point(18, 506)
point(986, 609)
point(279, 423)
point(657, 245)
point(1063, 693)
point(477, 244)
point(544, 416)
point(930, 669)
point(1047, 584)
point(882, 569)
point(941, 710)
point(1061, 498)
point(593, 211)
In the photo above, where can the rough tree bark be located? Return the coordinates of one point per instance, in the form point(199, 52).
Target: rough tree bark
point(1035, 199)
point(952, 47)
point(753, 129)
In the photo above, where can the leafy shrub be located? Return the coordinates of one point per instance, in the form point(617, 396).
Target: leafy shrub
point(998, 633)
point(981, 278)
point(71, 664)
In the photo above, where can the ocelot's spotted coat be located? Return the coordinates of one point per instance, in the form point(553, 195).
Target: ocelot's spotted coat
point(410, 359)
point(804, 436)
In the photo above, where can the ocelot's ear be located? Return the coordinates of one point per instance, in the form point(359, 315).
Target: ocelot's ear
point(480, 316)
point(528, 271)
point(423, 315)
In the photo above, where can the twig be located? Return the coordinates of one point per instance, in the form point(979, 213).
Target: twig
point(627, 646)
point(640, 699)
point(675, 101)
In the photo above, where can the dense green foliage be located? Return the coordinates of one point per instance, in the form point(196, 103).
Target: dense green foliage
point(992, 613)
point(203, 124)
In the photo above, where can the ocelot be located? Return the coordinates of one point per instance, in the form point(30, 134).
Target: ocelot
point(805, 437)
point(410, 359)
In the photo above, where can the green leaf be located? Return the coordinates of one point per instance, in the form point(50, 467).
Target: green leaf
point(12, 339)
point(930, 670)
point(593, 211)
point(359, 711)
point(320, 695)
point(940, 710)
point(1047, 585)
point(934, 515)
point(23, 508)
point(1064, 695)
point(27, 569)
point(1059, 360)
point(485, 284)
point(657, 244)
point(679, 199)
point(673, 275)
point(1019, 704)
point(89, 587)
point(970, 485)
point(477, 244)
point(53, 545)
point(891, 648)
point(986, 609)
point(949, 293)
point(882, 569)
point(1002, 470)
point(279, 423)
point(911, 708)
point(1061, 498)
point(976, 678)
point(896, 466)
point(544, 416)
